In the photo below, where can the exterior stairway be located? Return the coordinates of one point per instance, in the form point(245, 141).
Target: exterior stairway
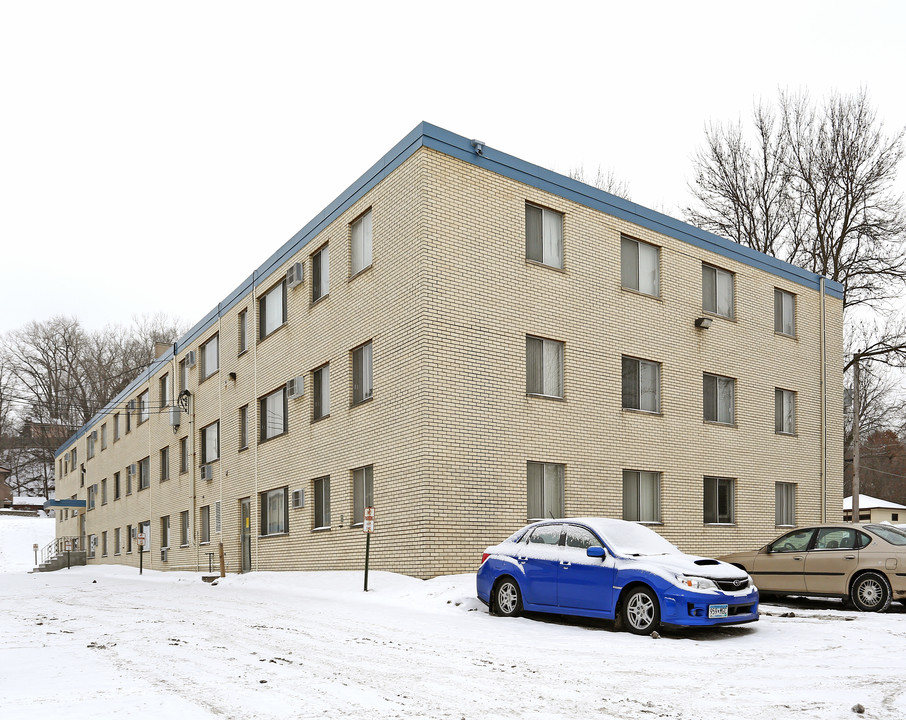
point(54, 555)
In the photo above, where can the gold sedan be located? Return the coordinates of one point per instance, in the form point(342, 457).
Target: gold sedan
point(863, 564)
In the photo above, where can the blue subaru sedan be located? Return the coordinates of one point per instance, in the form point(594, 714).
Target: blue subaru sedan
point(613, 569)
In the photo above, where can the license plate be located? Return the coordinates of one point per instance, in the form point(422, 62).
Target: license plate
point(717, 611)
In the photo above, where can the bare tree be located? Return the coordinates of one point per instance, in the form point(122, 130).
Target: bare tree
point(606, 181)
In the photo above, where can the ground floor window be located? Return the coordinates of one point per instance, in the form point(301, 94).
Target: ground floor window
point(719, 500)
point(362, 492)
point(205, 516)
point(785, 503)
point(322, 502)
point(641, 496)
point(274, 518)
point(545, 490)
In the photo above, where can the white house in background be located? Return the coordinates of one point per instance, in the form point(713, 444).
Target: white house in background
point(874, 510)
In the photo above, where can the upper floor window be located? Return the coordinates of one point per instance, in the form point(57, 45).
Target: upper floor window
point(210, 357)
point(272, 309)
point(320, 392)
point(320, 273)
point(360, 244)
point(784, 312)
point(116, 427)
point(144, 408)
point(183, 374)
point(210, 442)
point(272, 411)
point(184, 454)
point(719, 395)
point(144, 473)
point(543, 367)
point(641, 496)
point(784, 411)
point(243, 427)
point(717, 291)
point(640, 266)
point(104, 436)
point(164, 387)
point(362, 381)
point(543, 235)
point(545, 490)
point(243, 331)
point(641, 385)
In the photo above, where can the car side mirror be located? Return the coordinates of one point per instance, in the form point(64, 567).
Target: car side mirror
point(595, 551)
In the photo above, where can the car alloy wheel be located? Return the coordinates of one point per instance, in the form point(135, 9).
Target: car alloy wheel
point(871, 593)
point(507, 600)
point(641, 612)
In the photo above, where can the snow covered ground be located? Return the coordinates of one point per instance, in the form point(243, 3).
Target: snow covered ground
point(106, 642)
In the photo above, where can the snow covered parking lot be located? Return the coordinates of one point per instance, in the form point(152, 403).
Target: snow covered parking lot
point(105, 642)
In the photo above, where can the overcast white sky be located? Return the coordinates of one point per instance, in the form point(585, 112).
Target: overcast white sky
point(153, 154)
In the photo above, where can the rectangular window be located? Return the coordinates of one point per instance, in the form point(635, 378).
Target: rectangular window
point(184, 528)
point(362, 492)
point(545, 490)
point(719, 500)
point(272, 411)
point(243, 427)
point(104, 436)
point(641, 496)
point(243, 331)
point(164, 389)
point(164, 533)
point(117, 541)
point(543, 367)
point(144, 473)
point(272, 310)
point(360, 244)
point(104, 544)
point(144, 407)
point(128, 538)
point(116, 486)
point(320, 274)
point(210, 358)
point(322, 502)
point(719, 399)
point(164, 464)
point(205, 520)
point(784, 411)
point(184, 455)
point(145, 529)
point(128, 421)
point(717, 291)
point(92, 496)
point(362, 381)
point(640, 266)
point(641, 385)
point(210, 442)
point(274, 512)
point(104, 491)
point(89, 442)
point(92, 544)
point(75, 456)
point(129, 472)
point(785, 503)
point(784, 312)
point(183, 374)
point(320, 381)
point(543, 235)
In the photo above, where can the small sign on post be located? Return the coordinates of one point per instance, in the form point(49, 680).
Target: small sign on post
point(141, 552)
point(368, 527)
point(35, 548)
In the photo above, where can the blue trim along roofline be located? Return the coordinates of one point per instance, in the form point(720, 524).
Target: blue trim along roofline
point(444, 141)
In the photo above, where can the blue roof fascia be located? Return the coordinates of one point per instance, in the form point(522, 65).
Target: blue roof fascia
point(427, 135)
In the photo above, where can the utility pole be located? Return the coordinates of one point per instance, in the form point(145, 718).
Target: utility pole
point(857, 440)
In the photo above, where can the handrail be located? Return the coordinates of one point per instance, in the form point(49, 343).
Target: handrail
point(57, 546)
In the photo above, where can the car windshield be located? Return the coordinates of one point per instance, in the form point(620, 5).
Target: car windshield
point(893, 535)
point(635, 540)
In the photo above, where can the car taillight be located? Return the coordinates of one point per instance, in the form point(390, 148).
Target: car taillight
point(484, 556)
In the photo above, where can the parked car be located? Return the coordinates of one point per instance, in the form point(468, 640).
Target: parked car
point(863, 564)
point(605, 568)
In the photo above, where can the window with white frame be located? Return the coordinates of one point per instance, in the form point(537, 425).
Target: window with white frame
point(785, 504)
point(784, 312)
point(274, 513)
point(144, 407)
point(360, 244)
point(210, 357)
point(164, 533)
point(92, 544)
point(322, 502)
point(104, 491)
point(320, 381)
point(544, 490)
point(163, 386)
point(243, 331)
point(89, 442)
point(184, 455)
point(117, 541)
point(183, 374)
point(640, 266)
point(362, 380)
point(320, 273)
point(128, 538)
point(719, 501)
point(144, 473)
point(104, 436)
point(116, 427)
point(210, 442)
point(243, 427)
point(272, 310)
point(543, 235)
point(92, 496)
point(144, 528)
point(104, 543)
point(784, 411)
point(116, 486)
point(362, 492)
point(719, 396)
point(543, 367)
point(204, 517)
point(642, 496)
point(164, 463)
point(641, 385)
point(272, 412)
point(184, 528)
point(717, 291)
point(129, 473)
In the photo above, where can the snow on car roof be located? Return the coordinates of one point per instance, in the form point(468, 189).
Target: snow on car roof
point(628, 538)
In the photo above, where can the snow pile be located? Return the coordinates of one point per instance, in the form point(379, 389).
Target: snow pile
point(17, 537)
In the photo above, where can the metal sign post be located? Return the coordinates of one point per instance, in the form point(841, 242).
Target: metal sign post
point(35, 548)
point(141, 552)
point(368, 527)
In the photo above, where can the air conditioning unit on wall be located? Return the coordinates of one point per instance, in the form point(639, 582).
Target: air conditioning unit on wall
point(295, 388)
point(298, 498)
point(190, 358)
point(207, 472)
point(295, 275)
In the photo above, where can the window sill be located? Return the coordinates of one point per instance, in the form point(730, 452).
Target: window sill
point(362, 402)
point(276, 534)
point(639, 411)
point(358, 273)
point(319, 300)
point(642, 293)
point(243, 448)
point(203, 380)
point(709, 313)
point(319, 419)
point(720, 524)
point(559, 398)
point(184, 546)
point(321, 529)
point(273, 437)
point(538, 263)
point(792, 526)
point(204, 543)
point(242, 352)
point(786, 335)
point(262, 338)
point(715, 423)
point(786, 434)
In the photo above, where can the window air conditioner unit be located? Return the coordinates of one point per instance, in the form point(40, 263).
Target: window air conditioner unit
point(132, 469)
point(298, 498)
point(295, 275)
point(190, 358)
point(94, 436)
point(134, 532)
point(163, 554)
point(207, 472)
point(295, 388)
point(175, 416)
point(130, 405)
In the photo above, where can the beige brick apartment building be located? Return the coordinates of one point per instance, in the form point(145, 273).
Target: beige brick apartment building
point(467, 341)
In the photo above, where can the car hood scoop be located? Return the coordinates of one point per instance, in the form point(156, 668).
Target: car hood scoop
point(707, 561)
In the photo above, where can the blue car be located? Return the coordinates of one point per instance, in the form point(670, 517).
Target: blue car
point(604, 568)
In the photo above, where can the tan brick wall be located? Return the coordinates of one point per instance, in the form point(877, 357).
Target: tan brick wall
point(447, 304)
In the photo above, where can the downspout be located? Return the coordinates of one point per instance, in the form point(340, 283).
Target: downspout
point(254, 325)
point(823, 369)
